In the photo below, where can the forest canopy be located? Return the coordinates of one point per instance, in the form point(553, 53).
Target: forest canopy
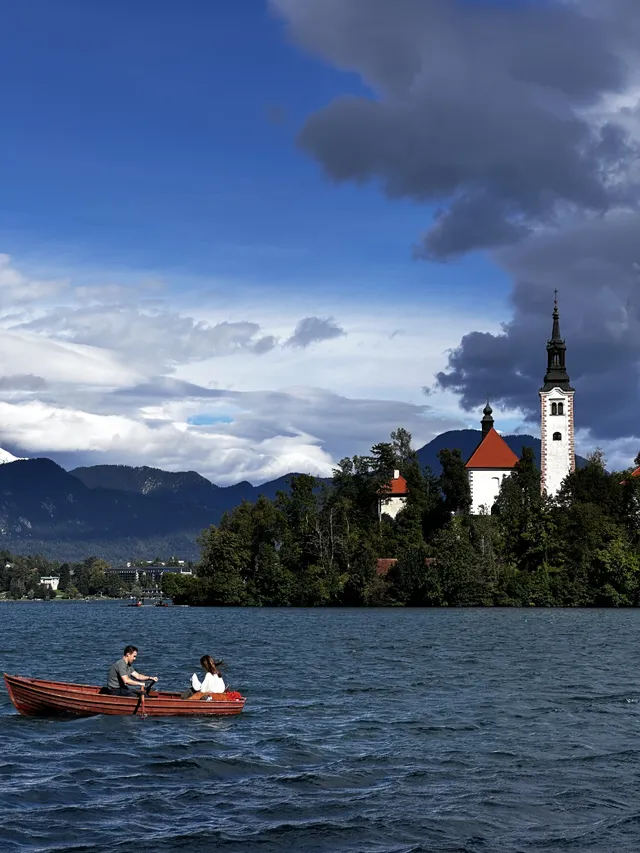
point(319, 545)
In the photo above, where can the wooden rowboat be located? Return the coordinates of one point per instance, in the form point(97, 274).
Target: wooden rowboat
point(35, 697)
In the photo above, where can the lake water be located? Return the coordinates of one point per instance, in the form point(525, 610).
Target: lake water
point(364, 730)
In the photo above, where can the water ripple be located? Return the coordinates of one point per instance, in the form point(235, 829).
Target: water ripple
point(382, 731)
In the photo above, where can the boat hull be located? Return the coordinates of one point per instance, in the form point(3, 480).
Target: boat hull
point(34, 697)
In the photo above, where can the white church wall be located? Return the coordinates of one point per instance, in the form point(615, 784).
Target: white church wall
point(392, 506)
point(485, 486)
point(557, 438)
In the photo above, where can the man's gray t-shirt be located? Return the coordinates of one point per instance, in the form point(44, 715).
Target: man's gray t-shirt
point(119, 668)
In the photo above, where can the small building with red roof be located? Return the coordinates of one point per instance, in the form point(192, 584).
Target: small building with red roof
point(636, 473)
point(488, 465)
point(393, 497)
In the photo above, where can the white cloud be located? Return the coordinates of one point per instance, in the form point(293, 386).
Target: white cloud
point(18, 289)
point(58, 361)
point(126, 374)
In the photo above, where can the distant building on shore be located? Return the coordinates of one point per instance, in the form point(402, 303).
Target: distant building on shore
point(154, 571)
point(51, 581)
point(394, 497)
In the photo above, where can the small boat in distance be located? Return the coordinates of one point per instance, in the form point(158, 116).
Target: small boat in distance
point(35, 697)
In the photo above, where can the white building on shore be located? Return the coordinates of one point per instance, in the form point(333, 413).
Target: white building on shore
point(394, 497)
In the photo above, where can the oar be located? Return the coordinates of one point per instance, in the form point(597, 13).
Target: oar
point(140, 705)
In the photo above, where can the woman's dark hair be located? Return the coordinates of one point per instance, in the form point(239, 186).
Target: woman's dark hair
point(210, 665)
point(129, 649)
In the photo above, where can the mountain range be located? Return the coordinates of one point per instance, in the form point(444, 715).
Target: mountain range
point(120, 512)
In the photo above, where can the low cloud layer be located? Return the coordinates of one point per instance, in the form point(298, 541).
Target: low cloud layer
point(88, 376)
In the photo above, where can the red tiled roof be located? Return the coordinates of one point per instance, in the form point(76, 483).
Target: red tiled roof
point(385, 563)
point(395, 486)
point(492, 452)
point(636, 473)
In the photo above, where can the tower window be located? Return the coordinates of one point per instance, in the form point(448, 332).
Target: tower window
point(560, 409)
point(557, 436)
point(554, 408)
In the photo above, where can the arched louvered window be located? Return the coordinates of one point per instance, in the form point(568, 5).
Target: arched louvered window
point(554, 408)
point(557, 436)
point(560, 408)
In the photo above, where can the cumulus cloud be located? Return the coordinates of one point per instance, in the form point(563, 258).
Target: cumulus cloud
point(98, 377)
point(313, 329)
point(149, 338)
point(480, 108)
point(518, 126)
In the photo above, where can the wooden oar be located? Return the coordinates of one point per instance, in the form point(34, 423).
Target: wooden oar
point(140, 705)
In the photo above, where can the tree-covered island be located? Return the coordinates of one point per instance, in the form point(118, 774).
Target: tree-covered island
point(321, 545)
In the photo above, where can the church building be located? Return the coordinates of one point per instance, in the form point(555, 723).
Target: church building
point(489, 464)
point(557, 452)
point(493, 459)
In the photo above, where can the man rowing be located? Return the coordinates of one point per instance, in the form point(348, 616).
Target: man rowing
point(122, 676)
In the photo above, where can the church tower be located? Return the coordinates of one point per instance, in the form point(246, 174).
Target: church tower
point(556, 409)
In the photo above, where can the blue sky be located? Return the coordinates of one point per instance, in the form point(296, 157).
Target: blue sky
point(161, 136)
point(182, 285)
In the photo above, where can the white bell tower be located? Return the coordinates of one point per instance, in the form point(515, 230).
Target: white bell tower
point(558, 456)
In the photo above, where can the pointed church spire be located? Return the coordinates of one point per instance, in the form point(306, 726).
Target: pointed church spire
point(487, 420)
point(555, 332)
point(556, 375)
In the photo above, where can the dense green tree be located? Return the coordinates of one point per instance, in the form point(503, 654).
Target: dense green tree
point(593, 484)
point(413, 582)
point(361, 575)
point(526, 522)
point(65, 577)
point(224, 560)
point(454, 482)
point(460, 566)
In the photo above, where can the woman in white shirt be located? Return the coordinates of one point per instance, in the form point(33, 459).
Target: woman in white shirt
point(212, 681)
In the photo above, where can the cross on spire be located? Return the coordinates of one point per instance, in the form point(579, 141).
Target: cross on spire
point(556, 375)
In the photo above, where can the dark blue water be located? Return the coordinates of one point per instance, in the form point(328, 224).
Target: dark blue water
point(380, 730)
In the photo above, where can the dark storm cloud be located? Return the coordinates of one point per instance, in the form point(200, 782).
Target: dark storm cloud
point(500, 116)
point(313, 329)
point(475, 107)
point(596, 265)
